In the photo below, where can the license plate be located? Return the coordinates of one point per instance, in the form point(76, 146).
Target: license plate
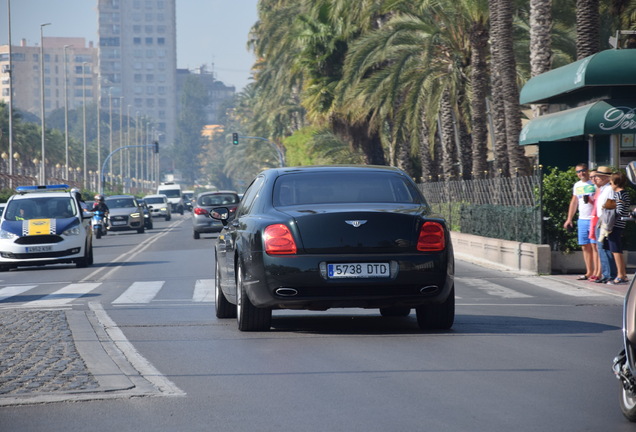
point(36, 249)
point(118, 222)
point(358, 270)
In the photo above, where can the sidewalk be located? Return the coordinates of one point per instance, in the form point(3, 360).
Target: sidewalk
point(62, 355)
point(571, 279)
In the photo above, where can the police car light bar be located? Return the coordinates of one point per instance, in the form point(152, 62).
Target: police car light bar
point(40, 188)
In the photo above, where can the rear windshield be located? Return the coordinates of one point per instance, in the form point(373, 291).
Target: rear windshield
point(218, 199)
point(326, 188)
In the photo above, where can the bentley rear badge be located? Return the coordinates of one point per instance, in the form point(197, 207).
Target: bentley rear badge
point(356, 223)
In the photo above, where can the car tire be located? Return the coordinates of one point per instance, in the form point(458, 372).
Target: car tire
point(249, 317)
point(181, 211)
point(395, 311)
point(437, 316)
point(224, 309)
point(85, 261)
point(627, 403)
point(98, 233)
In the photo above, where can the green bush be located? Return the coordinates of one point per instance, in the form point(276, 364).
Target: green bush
point(557, 194)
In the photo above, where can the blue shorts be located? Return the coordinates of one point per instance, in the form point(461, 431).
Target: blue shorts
point(584, 231)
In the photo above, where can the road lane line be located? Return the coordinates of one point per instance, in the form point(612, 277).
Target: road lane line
point(203, 290)
point(63, 296)
point(140, 292)
point(139, 362)
point(491, 288)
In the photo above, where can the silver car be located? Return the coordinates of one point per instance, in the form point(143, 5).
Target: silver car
point(125, 213)
point(201, 220)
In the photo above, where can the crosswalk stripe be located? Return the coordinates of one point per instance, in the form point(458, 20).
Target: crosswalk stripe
point(492, 289)
point(559, 287)
point(140, 292)
point(11, 291)
point(203, 290)
point(64, 296)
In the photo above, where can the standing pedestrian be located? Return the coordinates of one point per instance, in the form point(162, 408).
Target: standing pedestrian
point(596, 273)
point(608, 265)
point(618, 181)
point(582, 194)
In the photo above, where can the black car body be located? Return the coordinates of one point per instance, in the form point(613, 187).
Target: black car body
point(331, 237)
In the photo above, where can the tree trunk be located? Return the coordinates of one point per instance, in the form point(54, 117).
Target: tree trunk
point(447, 135)
point(507, 68)
point(479, 111)
point(588, 24)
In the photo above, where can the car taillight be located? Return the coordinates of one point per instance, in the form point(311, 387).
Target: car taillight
point(200, 211)
point(278, 240)
point(431, 237)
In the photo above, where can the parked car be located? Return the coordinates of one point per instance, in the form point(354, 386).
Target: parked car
point(45, 225)
point(159, 206)
point(147, 216)
point(330, 237)
point(125, 213)
point(201, 220)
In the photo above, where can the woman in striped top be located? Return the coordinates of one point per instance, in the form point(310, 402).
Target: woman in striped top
point(618, 180)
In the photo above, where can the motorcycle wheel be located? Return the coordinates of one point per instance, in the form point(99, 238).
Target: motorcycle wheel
point(98, 233)
point(627, 402)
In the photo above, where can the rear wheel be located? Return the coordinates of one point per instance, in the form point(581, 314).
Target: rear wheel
point(98, 233)
point(224, 309)
point(395, 311)
point(249, 317)
point(437, 316)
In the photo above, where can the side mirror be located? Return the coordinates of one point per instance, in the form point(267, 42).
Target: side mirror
point(220, 213)
point(631, 172)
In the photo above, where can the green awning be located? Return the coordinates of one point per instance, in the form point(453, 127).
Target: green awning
point(610, 68)
point(600, 118)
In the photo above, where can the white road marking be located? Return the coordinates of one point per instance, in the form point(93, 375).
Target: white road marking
point(203, 290)
point(140, 292)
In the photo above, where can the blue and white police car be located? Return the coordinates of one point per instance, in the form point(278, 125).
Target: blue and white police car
point(45, 225)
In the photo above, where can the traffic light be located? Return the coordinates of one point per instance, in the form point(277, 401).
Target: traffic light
point(235, 140)
point(155, 146)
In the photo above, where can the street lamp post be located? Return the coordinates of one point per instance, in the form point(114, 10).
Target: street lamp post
point(121, 136)
point(66, 111)
point(10, 100)
point(42, 121)
point(84, 117)
point(110, 124)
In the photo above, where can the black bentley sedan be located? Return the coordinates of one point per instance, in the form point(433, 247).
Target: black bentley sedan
point(333, 237)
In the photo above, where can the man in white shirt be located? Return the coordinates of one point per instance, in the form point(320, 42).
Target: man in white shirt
point(582, 200)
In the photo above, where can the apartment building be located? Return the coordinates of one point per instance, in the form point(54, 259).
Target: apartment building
point(138, 61)
point(69, 69)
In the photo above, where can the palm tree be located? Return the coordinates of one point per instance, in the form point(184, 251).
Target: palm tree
point(505, 80)
point(587, 28)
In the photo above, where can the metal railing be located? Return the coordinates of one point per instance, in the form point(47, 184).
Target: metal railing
point(508, 208)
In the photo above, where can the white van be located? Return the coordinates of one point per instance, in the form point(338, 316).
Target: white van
point(175, 197)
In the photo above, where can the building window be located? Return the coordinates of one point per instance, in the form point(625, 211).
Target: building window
point(138, 78)
point(148, 41)
point(161, 29)
point(150, 90)
point(150, 78)
point(137, 41)
point(136, 29)
point(150, 53)
point(139, 102)
point(161, 41)
point(149, 29)
point(113, 41)
point(150, 103)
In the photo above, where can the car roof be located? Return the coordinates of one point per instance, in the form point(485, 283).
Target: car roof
point(334, 168)
point(156, 196)
point(218, 192)
point(120, 196)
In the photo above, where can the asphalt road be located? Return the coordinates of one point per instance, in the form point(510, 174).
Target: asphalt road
point(525, 354)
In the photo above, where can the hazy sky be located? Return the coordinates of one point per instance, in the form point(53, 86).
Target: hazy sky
point(208, 31)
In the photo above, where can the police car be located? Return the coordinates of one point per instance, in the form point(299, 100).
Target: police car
point(45, 225)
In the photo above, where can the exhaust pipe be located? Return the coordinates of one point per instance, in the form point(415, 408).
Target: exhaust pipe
point(286, 292)
point(427, 290)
